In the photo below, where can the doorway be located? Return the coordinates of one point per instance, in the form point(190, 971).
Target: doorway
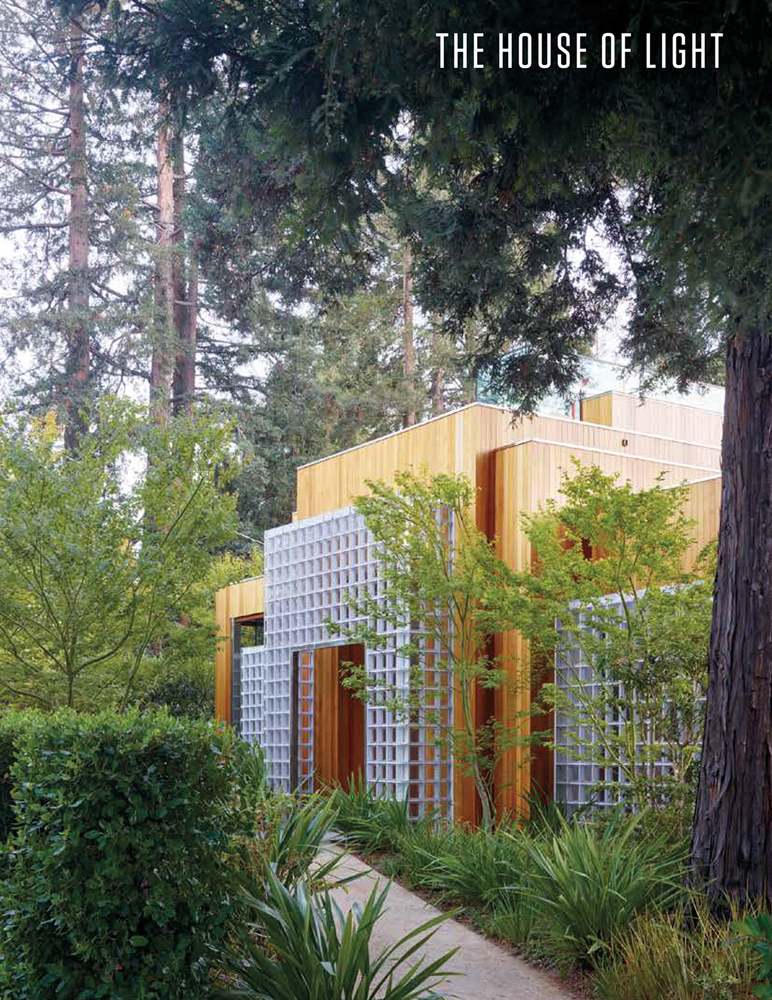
point(339, 718)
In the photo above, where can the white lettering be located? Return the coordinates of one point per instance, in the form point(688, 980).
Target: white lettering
point(477, 60)
point(718, 35)
point(505, 50)
point(649, 63)
point(459, 50)
point(564, 50)
point(678, 46)
point(442, 35)
point(581, 50)
point(523, 61)
point(626, 48)
point(607, 50)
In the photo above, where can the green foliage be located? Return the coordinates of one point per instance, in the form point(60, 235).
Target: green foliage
point(11, 724)
point(336, 379)
point(313, 953)
point(369, 821)
point(188, 696)
point(180, 673)
point(434, 564)
point(649, 648)
point(99, 560)
point(683, 954)
point(287, 837)
point(757, 932)
point(586, 887)
point(124, 824)
point(474, 867)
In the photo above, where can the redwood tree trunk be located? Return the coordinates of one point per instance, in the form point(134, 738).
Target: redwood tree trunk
point(438, 375)
point(185, 296)
point(732, 837)
point(78, 344)
point(163, 299)
point(408, 344)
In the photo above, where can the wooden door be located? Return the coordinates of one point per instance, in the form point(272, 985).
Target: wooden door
point(339, 718)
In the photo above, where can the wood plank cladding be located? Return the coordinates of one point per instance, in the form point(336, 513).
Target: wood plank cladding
point(654, 416)
point(339, 718)
point(463, 441)
point(515, 466)
point(527, 474)
point(237, 601)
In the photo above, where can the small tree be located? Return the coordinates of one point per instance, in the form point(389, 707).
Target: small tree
point(434, 564)
point(98, 556)
point(183, 677)
point(609, 590)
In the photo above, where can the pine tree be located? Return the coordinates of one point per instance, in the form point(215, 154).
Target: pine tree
point(74, 215)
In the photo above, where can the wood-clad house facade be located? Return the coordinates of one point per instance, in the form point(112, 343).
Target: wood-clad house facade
point(286, 694)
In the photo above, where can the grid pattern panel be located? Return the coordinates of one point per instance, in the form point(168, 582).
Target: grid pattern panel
point(305, 719)
point(252, 693)
point(580, 781)
point(310, 566)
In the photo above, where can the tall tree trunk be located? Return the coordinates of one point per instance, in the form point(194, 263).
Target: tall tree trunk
point(185, 296)
point(185, 370)
point(163, 324)
point(438, 371)
point(78, 345)
point(470, 346)
point(408, 344)
point(732, 836)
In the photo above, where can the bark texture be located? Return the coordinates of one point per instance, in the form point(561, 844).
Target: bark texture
point(438, 373)
point(732, 838)
point(408, 343)
point(164, 351)
point(78, 344)
point(185, 296)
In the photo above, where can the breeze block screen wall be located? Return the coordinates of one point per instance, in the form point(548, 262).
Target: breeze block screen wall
point(580, 781)
point(310, 566)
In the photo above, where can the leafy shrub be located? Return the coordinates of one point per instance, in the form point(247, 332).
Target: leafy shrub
point(372, 822)
point(586, 886)
point(9, 727)
point(757, 931)
point(189, 696)
point(313, 954)
point(670, 826)
point(413, 848)
point(685, 954)
point(118, 879)
point(475, 867)
point(286, 839)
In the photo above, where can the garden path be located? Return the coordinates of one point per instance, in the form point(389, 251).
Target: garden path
point(486, 970)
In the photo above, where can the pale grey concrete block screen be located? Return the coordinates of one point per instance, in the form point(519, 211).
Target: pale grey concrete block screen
point(309, 567)
point(577, 781)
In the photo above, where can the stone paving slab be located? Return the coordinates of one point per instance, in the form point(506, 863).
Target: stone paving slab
point(486, 970)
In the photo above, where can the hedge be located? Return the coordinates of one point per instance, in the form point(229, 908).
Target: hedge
point(10, 723)
point(118, 884)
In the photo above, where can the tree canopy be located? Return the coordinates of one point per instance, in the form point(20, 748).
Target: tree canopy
point(502, 179)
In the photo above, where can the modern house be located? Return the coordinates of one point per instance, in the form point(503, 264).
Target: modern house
point(277, 670)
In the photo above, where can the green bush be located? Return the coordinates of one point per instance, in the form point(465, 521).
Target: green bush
point(372, 822)
point(307, 951)
point(119, 881)
point(189, 696)
point(474, 866)
point(286, 839)
point(756, 930)
point(9, 727)
point(685, 954)
point(413, 848)
point(586, 887)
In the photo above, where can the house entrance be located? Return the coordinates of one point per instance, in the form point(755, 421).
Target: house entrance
point(339, 718)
